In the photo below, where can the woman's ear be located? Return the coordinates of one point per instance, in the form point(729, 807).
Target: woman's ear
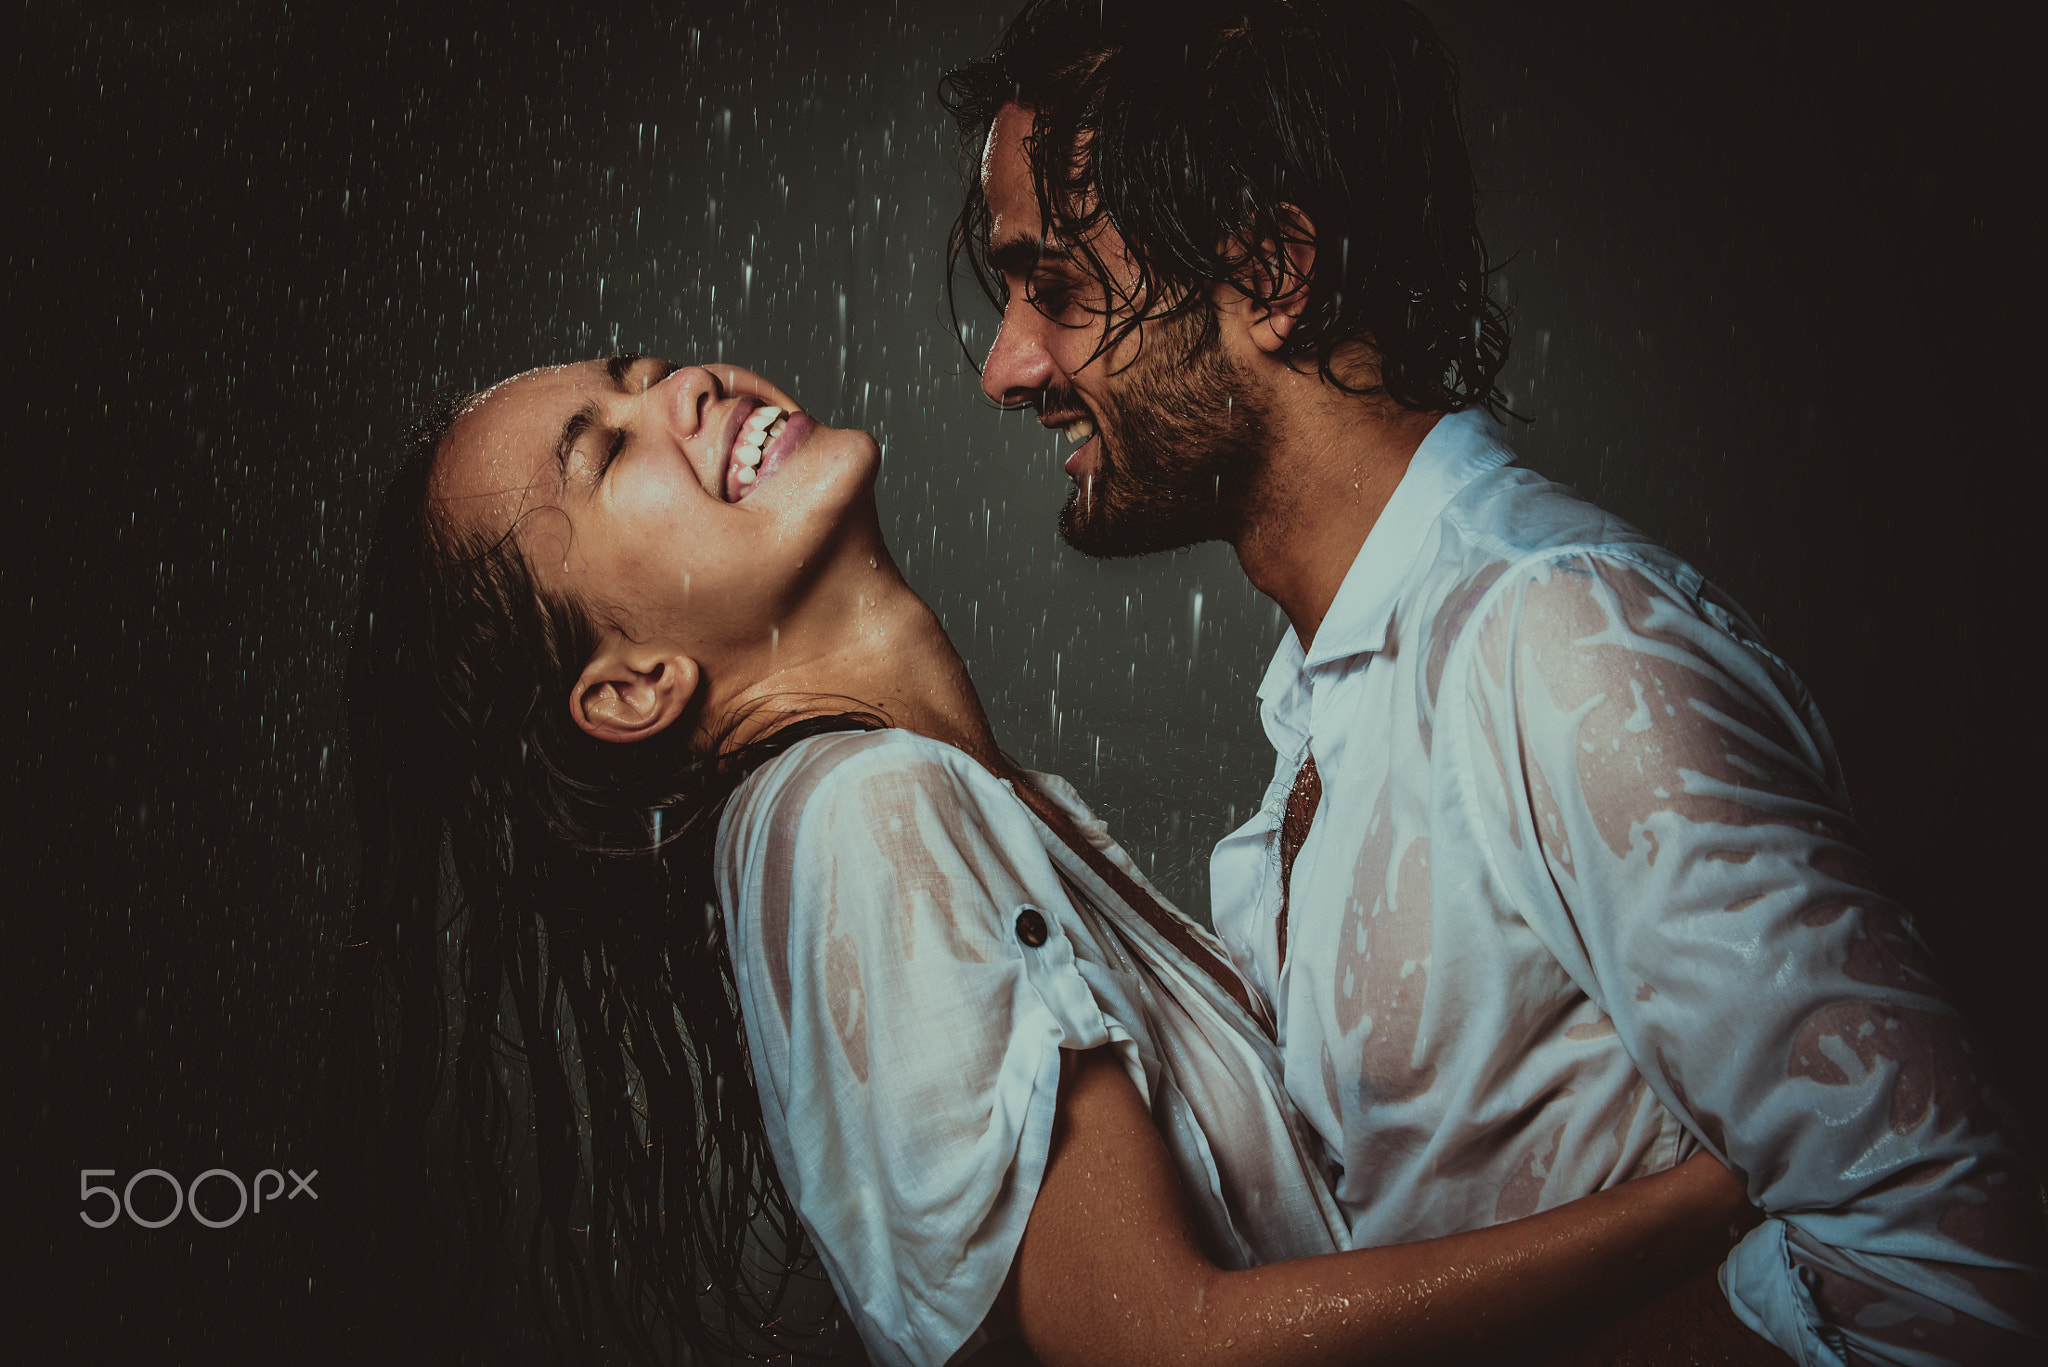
point(630, 692)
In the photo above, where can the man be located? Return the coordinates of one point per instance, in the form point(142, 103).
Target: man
point(1554, 881)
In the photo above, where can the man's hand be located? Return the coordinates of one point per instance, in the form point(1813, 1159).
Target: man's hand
point(1689, 1325)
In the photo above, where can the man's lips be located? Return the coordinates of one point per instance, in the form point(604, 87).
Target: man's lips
point(1082, 461)
point(796, 427)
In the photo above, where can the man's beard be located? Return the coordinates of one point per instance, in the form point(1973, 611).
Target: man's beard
point(1179, 444)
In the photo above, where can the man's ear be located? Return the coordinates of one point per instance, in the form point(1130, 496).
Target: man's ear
point(630, 692)
point(1283, 268)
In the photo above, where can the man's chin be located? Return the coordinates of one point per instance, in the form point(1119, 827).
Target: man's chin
point(1109, 533)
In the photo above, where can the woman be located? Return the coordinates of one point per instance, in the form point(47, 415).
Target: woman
point(631, 642)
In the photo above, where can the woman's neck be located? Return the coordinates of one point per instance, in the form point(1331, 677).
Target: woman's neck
point(866, 644)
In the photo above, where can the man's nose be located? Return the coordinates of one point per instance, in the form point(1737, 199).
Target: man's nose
point(1018, 368)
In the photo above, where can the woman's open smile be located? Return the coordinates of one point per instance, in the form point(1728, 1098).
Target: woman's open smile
point(764, 437)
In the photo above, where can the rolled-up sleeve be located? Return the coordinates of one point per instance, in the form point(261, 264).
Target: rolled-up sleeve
point(1669, 816)
point(907, 986)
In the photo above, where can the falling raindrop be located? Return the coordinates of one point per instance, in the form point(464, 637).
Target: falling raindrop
point(295, 235)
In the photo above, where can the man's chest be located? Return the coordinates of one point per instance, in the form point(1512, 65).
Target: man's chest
point(1400, 947)
point(1455, 1071)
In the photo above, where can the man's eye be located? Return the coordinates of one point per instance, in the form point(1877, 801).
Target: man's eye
point(1051, 297)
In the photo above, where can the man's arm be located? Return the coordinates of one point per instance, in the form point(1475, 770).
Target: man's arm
point(1695, 870)
point(1109, 1271)
point(1686, 1325)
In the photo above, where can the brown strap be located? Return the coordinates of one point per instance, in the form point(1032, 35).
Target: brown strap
point(1136, 897)
point(1301, 812)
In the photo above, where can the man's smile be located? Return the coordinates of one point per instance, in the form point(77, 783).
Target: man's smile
point(1078, 426)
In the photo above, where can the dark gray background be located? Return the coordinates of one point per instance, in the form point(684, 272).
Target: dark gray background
point(1773, 304)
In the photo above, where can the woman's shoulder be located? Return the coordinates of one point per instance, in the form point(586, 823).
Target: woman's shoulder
point(867, 844)
point(868, 776)
point(842, 764)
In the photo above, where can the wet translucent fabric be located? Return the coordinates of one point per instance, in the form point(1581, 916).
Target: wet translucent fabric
point(913, 949)
point(1582, 893)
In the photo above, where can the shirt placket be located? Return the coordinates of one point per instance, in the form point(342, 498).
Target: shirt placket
point(1285, 859)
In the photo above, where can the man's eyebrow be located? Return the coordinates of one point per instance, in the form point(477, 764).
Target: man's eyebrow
point(618, 365)
point(1022, 255)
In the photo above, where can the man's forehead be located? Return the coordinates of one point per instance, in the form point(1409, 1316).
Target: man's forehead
point(1006, 177)
point(1017, 238)
point(1008, 129)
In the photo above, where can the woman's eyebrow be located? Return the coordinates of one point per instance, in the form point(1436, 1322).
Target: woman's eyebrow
point(587, 417)
point(581, 421)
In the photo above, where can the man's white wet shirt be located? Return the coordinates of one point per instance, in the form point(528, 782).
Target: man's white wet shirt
point(1582, 893)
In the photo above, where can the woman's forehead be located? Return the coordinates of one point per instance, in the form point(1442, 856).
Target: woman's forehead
point(503, 443)
point(489, 392)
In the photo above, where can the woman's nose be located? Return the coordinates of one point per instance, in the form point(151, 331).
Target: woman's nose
point(688, 392)
point(686, 395)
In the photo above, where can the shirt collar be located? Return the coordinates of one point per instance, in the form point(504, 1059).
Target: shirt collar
point(1461, 447)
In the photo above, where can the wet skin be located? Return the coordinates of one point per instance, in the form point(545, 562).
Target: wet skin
point(1169, 434)
point(619, 482)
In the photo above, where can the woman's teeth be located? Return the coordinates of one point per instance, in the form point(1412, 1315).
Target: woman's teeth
point(1079, 430)
point(763, 425)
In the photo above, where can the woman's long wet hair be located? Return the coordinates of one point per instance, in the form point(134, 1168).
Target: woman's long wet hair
point(539, 1049)
point(1203, 131)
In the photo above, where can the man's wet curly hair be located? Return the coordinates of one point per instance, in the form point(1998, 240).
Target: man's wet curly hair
point(1205, 132)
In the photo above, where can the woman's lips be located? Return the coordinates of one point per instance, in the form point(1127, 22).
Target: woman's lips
point(735, 427)
point(795, 428)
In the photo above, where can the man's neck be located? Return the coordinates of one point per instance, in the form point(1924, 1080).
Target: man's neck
point(1335, 461)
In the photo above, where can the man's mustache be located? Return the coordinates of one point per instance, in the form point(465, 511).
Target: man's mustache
point(1058, 398)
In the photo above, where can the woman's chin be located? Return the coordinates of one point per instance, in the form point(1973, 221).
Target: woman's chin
point(846, 463)
point(863, 451)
